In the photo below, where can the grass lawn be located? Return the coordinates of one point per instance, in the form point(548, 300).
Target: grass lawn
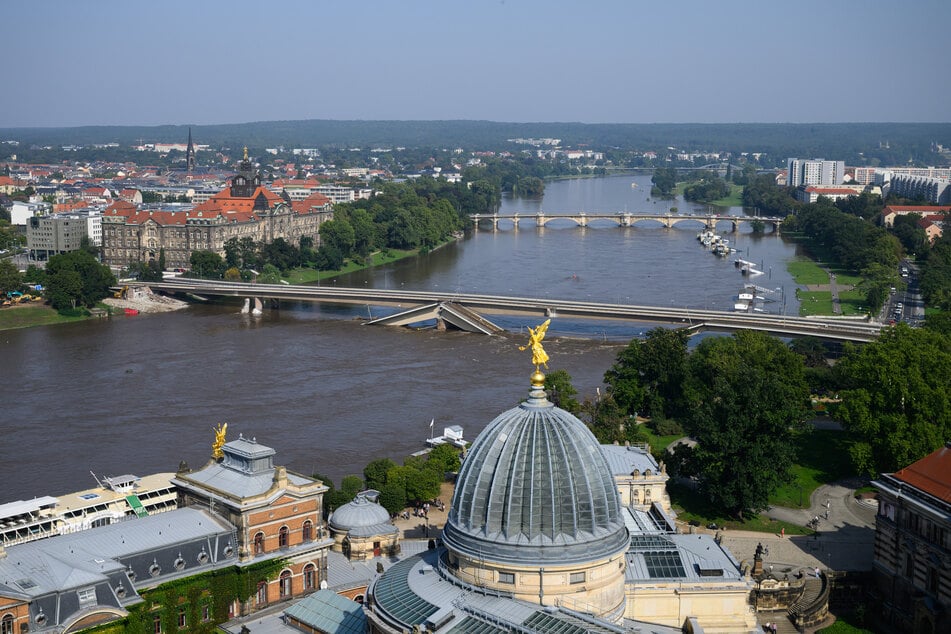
point(823, 458)
point(33, 315)
point(734, 199)
point(807, 272)
point(814, 303)
point(853, 302)
point(658, 443)
point(692, 506)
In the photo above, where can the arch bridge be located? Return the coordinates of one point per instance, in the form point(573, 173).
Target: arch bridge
point(624, 219)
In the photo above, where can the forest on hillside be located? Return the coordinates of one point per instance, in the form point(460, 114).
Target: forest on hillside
point(855, 143)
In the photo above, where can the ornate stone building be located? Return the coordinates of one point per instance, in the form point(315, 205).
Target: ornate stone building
point(277, 513)
point(246, 209)
point(912, 566)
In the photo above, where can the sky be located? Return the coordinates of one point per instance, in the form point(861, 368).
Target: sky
point(200, 62)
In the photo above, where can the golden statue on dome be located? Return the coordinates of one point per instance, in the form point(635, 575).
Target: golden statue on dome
point(245, 152)
point(216, 446)
point(539, 356)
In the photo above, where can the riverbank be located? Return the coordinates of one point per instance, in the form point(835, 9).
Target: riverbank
point(28, 316)
point(306, 275)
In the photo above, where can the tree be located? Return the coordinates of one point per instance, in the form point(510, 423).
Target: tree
point(270, 274)
point(64, 288)
point(94, 280)
point(648, 375)
point(746, 396)
point(207, 265)
point(375, 473)
point(895, 397)
point(561, 392)
point(443, 459)
point(10, 277)
point(664, 180)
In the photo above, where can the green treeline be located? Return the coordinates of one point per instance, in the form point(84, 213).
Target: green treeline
point(745, 400)
point(417, 480)
point(705, 187)
point(410, 215)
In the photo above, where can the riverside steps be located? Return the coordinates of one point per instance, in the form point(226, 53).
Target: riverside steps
point(697, 320)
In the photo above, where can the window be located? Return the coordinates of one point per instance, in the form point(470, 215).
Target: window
point(576, 577)
point(6, 624)
point(507, 577)
point(258, 543)
point(182, 620)
point(157, 624)
point(87, 596)
point(933, 578)
point(282, 537)
point(262, 593)
point(308, 531)
point(285, 584)
point(310, 577)
point(205, 613)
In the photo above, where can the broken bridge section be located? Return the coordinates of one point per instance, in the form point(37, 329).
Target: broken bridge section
point(446, 314)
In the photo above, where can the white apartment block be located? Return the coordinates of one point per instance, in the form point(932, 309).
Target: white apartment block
point(818, 172)
point(882, 175)
point(935, 190)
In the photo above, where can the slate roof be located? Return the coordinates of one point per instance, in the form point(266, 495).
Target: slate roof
point(624, 460)
point(86, 557)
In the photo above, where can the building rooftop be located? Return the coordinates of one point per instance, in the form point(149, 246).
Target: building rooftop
point(931, 474)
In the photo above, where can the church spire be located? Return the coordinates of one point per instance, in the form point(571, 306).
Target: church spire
point(190, 153)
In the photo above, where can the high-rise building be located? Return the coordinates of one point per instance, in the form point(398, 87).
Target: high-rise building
point(815, 172)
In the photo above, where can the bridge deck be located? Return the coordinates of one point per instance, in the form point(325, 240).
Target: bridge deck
point(839, 329)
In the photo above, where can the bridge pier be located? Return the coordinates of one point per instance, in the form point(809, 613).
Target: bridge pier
point(625, 220)
point(540, 219)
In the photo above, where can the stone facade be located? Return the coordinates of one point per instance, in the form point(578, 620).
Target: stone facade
point(277, 514)
point(246, 209)
point(912, 566)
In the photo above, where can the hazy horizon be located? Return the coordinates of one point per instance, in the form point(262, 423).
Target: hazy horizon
point(512, 61)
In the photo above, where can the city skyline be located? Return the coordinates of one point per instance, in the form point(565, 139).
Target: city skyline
point(114, 63)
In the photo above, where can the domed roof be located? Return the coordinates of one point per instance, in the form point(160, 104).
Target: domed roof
point(535, 487)
point(362, 516)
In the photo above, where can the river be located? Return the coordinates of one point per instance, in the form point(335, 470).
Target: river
point(139, 394)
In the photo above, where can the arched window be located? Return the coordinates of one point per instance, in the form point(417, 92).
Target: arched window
point(285, 584)
point(308, 531)
point(261, 597)
point(282, 537)
point(6, 624)
point(310, 577)
point(258, 543)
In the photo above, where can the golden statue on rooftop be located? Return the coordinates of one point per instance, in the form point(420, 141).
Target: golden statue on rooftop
point(536, 335)
point(216, 446)
point(245, 152)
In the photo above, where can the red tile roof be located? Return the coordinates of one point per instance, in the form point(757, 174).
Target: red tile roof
point(911, 209)
point(314, 200)
point(223, 200)
point(931, 474)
